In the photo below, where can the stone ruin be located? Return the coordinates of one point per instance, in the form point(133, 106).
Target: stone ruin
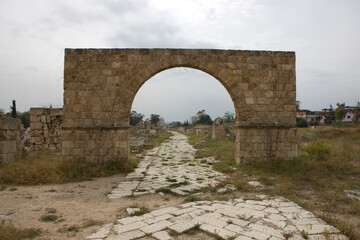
point(45, 125)
point(221, 130)
point(11, 139)
point(100, 86)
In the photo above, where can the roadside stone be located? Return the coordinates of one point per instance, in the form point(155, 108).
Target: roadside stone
point(158, 218)
point(227, 188)
point(164, 210)
point(184, 225)
point(50, 210)
point(255, 184)
point(131, 211)
point(217, 230)
point(102, 232)
point(317, 229)
point(127, 235)
point(156, 227)
point(162, 235)
point(128, 227)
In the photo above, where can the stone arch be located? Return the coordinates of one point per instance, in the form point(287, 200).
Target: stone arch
point(100, 85)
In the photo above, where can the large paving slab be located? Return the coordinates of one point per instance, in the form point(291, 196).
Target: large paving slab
point(236, 219)
point(172, 166)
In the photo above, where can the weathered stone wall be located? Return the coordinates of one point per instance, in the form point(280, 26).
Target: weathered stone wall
point(100, 86)
point(11, 146)
point(45, 125)
point(218, 132)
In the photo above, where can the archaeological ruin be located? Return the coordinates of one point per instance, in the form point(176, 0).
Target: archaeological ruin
point(100, 86)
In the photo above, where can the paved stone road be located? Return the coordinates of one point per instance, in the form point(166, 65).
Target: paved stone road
point(263, 218)
point(272, 219)
point(171, 165)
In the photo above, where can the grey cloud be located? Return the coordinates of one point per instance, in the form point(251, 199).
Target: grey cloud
point(31, 68)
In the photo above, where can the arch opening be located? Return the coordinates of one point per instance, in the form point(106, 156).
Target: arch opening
point(180, 92)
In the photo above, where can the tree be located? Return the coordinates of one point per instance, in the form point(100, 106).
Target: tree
point(329, 116)
point(340, 112)
point(301, 122)
point(24, 118)
point(13, 109)
point(204, 119)
point(135, 118)
point(228, 117)
point(186, 123)
point(154, 119)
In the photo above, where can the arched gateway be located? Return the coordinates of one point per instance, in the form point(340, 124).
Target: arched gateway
point(100, 86)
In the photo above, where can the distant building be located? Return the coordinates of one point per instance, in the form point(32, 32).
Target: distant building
point(193, 120)
point(311, 117)
point(161, 123)
point(352, 113)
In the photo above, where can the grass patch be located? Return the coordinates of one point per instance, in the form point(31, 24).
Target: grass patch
point(223, 151)
point(183, 183)
point(72, 228)
point(53, 169)
point(142, 211)
point(92, 222)
point(164, 190)
point(161, 137)
point(9, 232)
point(192, 199)
point(171, 180)
point(49, 218)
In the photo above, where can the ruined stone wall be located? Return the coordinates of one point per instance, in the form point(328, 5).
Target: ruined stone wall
point(45, 125)
point(100, 86)
point(11, 146)
point(218, 132)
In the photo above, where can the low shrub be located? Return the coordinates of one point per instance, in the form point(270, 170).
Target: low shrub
point(318, 150)
point(9, 232)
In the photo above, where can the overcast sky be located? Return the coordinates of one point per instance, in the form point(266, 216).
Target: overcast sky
point(325, 34)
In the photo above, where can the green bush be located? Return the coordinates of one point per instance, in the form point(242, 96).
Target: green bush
point(301, 122)
point(318, 150)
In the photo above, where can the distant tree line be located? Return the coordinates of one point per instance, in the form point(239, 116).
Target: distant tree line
point(136, 117)
point(202, 118)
